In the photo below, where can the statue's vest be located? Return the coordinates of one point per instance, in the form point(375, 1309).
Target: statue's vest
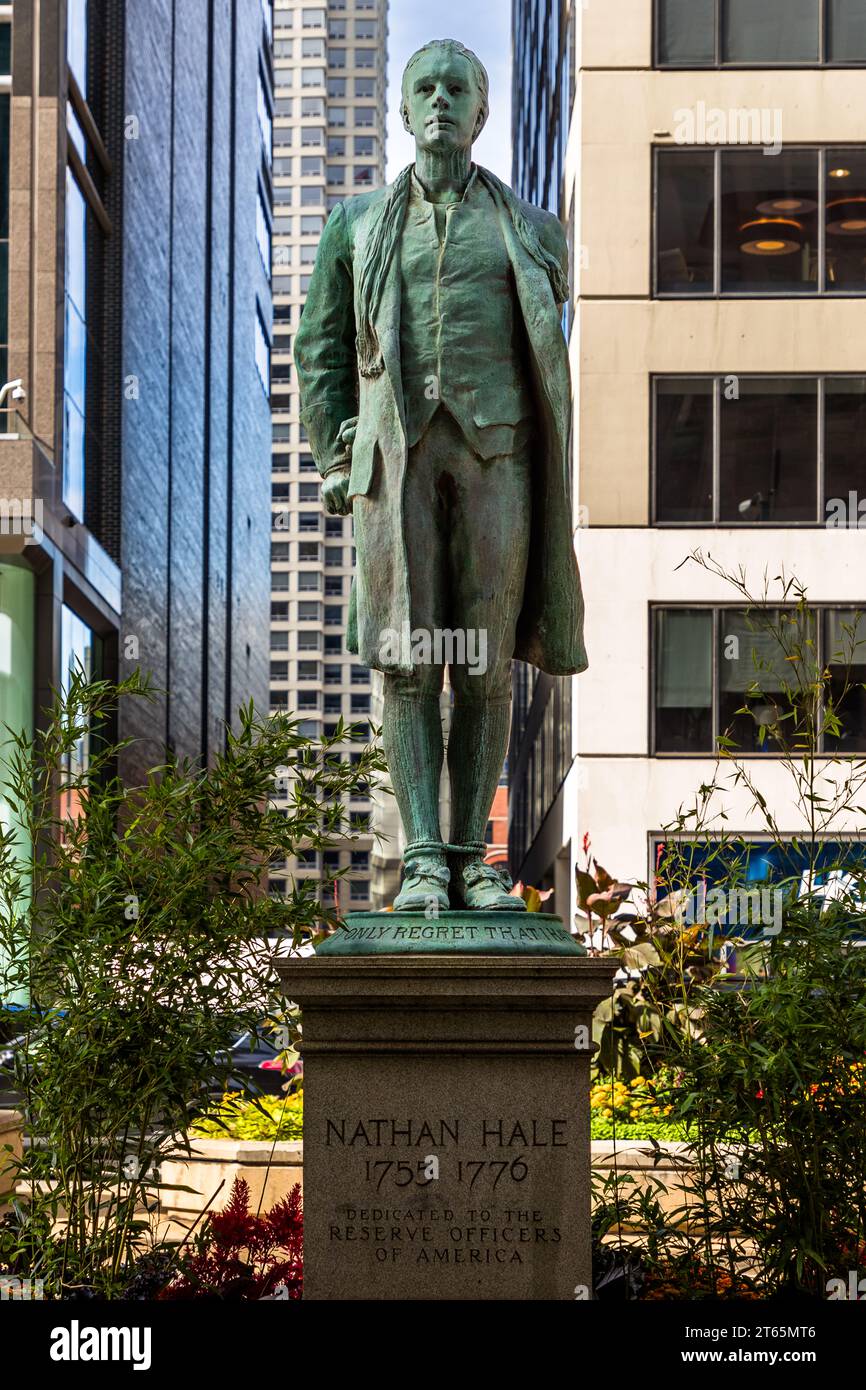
point(457, 294)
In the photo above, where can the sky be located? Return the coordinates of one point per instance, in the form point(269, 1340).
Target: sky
point(482, 25)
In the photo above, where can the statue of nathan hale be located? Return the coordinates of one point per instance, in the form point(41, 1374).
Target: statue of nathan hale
point(435, 392)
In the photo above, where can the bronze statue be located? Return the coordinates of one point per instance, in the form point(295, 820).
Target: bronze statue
point(435, 388)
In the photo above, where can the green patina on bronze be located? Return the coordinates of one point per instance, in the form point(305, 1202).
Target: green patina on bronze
point(435, 391)
point(473, 933)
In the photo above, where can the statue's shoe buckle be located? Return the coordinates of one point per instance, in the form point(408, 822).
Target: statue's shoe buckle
point(484, 888)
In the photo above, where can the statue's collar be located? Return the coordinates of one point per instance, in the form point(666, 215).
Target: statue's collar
point(418, 193)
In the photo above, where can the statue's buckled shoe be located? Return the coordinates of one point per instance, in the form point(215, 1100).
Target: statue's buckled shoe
point(425, 884)
point(484, 887)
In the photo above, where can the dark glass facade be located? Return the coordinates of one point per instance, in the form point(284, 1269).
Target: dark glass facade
point(542, 98)
point(543, 37)
point(143, 435)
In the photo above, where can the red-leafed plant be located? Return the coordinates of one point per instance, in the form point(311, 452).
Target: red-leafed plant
point(239, 1255)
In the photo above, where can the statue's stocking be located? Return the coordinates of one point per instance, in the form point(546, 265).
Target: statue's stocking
point(412, 739)
point(477, 746)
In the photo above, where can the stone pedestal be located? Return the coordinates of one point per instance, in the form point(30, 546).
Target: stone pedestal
point(446, 1124)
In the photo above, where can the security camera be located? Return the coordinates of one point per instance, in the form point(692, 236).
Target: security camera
point(18, 392)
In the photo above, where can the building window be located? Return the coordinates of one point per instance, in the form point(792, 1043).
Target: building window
point(76, 42)
point(268, 18)
point(365, 115)
point(708, 663)
point(769, 33)
point(80, 653)
point(313, 19)
point(365, 174)
point(365, 28)
point(4, 247)
point(337, 115)
point(764, 235)
point(263, 111)
point(312, 77)
point(284, 48)
point(75, 348)
point(312, 48)
point(754, 450)
point(365, 88)
point(313, 107)
point(364, 147)
point(263, 353)
point(336, 58)
point(263, 234)
point(365, 57)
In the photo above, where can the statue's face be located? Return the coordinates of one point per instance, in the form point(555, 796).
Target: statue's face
point(442, 104)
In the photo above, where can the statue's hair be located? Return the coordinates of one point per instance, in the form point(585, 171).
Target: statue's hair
point(479, 72)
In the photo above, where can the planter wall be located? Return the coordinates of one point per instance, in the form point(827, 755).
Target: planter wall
point(665, 1173)
point(271, 1170)
point(274, 1170)
point(10, 1137)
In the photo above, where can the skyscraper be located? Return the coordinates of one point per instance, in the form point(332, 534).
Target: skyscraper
point(329, 144)
point(135, 310)
point(713, 184)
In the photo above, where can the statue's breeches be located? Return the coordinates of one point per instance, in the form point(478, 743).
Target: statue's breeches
point(467, 542)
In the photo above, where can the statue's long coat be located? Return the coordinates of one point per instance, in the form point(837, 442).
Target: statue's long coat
point(550, 627)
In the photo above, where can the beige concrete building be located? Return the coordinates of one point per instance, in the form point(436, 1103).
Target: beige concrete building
point(714, 185)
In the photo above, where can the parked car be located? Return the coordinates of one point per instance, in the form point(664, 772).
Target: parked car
point(256, 1066)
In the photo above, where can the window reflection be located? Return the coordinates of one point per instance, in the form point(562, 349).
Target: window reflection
point(76, 41)
point(684, 680)
point(771, 31)
point(684, 450)
point(845, 656)
point(686, 32)
point(685, 222)
point(846, 28)
point(769, 451)
point(78, 655)
point(75, 349)
point(844, 445)
point(846, 219)
point(769, 221)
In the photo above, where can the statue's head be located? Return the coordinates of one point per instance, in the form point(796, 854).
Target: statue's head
point(445, 96)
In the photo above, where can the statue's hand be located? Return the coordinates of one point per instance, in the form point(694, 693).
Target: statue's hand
point(346, 435)
point(335, 493)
